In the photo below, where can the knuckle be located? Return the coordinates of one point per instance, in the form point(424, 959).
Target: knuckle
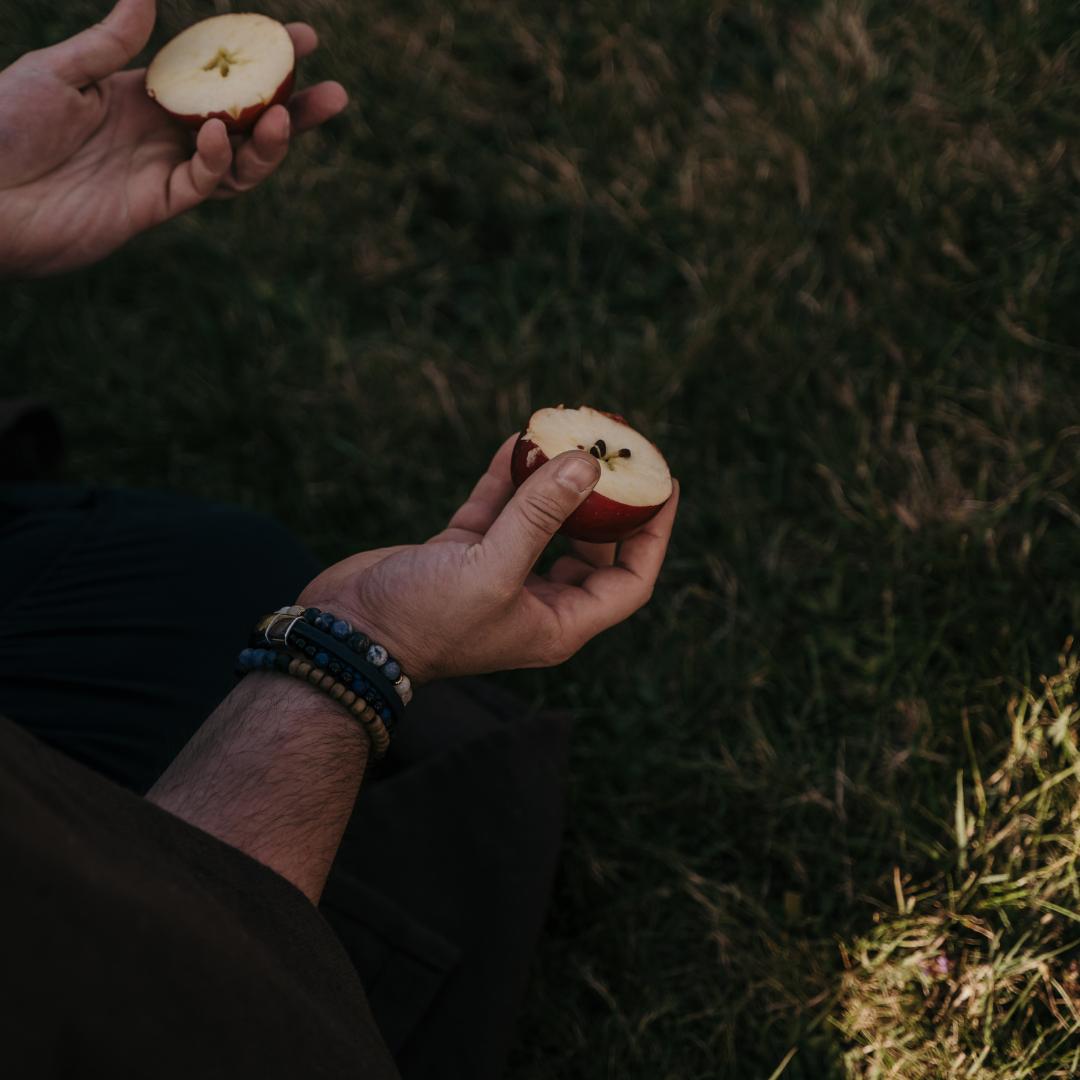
point(489, 590)
point(496, 592)
point(543, 512)
point(557, 651)
point(563, 653)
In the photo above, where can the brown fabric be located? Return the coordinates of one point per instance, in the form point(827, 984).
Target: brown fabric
point(443, 878)
point(133, 945)
point(31, 441)
point(439, 900)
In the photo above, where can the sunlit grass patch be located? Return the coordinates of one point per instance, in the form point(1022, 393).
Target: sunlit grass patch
point(976, 973)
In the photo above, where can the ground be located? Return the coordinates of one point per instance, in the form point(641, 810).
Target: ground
point(822, 801)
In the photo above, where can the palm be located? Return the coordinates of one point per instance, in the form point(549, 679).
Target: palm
point(113, 184)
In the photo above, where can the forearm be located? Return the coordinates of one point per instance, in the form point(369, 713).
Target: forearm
point(274, 771)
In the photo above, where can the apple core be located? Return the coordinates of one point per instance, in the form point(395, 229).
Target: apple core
point(634, 483)
point(229, 67)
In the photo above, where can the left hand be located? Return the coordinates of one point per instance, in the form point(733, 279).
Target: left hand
point(88, 160)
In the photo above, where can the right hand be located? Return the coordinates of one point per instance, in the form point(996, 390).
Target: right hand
point(87, 160)
point(468, 601)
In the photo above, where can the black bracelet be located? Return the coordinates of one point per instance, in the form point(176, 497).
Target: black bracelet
point(349, 656)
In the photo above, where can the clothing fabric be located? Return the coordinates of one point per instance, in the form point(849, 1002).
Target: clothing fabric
point(443, 878)
point(120, 616)
point(122, 612)
point(31, 442)
point(135, 945)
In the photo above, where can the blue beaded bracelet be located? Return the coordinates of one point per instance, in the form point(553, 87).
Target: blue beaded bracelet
point(362, 710)
point(319, 648)
point(333, 646)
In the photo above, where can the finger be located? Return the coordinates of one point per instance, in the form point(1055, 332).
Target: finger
point(643, 553)
point(304, 40)
point(626, 586)
point(593, 554)
point(520, 533)
point(316, 105)
point(569, 571)
point(104, 48)
point(194, 180)
point(492, 492)
point(258, 156)
point(612, 593)
point(575, 568)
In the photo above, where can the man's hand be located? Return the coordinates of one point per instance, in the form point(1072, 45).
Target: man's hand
point(87, 160)
point(275, 770)
point(468, 601)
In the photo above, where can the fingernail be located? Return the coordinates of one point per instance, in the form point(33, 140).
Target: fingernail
point(580, 474)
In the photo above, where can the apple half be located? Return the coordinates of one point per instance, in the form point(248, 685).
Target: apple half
point(229, 67)
point(634, 478)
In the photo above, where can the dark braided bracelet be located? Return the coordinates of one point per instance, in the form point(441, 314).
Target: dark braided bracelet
point(321, 649)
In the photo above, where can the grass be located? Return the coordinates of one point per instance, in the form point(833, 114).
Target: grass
point(976, 972)
point(824, 254)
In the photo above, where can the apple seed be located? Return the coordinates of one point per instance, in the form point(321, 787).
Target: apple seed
point(599, 451)
point(222, 62)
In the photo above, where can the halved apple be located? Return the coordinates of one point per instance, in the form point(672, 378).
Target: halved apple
point(229, 67)
point(634, 478)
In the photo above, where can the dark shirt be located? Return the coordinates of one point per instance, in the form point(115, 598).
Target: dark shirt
point(135, 945)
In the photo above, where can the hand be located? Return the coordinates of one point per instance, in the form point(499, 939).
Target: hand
point(468, 601)
point(87, 160)
point(275, 770)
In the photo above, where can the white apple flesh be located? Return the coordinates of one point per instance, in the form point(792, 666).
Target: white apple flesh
point(229, 67)
point(634, 478)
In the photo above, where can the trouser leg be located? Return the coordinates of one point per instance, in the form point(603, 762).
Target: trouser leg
point(121, 613)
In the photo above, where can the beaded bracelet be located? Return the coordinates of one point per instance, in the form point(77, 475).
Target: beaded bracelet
point(326, 639)
point(317, 646)
point(280, 660)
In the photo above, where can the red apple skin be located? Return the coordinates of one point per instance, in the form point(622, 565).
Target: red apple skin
point(237, 125)
point(598, 520)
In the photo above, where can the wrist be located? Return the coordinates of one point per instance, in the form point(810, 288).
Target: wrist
point(393, 633)
point(340, 659)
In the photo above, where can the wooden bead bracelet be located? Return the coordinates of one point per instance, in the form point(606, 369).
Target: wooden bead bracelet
point(326, 652)
point(361, 709)
point(281, 660)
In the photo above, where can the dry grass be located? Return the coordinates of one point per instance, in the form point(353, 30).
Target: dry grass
point(824, 254)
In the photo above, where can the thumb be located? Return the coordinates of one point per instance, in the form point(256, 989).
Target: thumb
point(539, 507)
point(105, 47)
